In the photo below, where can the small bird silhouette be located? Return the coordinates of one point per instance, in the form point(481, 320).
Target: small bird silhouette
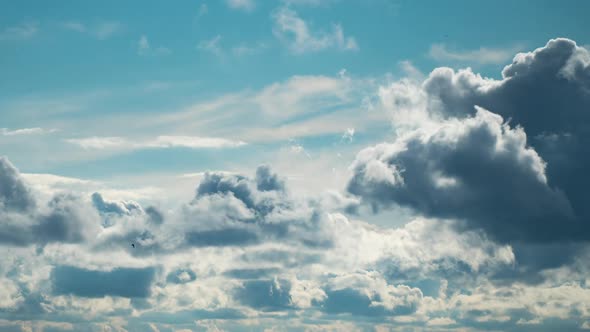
point(133, 245)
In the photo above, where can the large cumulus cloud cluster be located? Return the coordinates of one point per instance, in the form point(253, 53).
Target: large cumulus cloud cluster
point(507, 156)
point(231, 209)
point(243, 247)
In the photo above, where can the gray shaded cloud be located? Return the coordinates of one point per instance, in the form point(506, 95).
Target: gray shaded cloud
point(155, 216)
point(222, 237)
point(266, 180)
point(353, 302)
point(267, 295)
point(112, 210)
point(547, 92)
point(525, 183)
point(69, 221)
point(477, 170)
point(14, 194)
point(367, 294)
point(123, 282)
point(251, 273)
point(232, 209)
point(114, 207)
point(23, 222)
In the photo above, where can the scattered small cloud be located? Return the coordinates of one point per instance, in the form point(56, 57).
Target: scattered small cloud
point(214, 46)
point(245, 5)
point(348, 135)
point(248, 49)
point(24, 30)
point(297, 34)
point(203, 10)
point(144, 48)
point(211, 45)
point(297, 148)
point(105, 30)
point(102, 30)
point(74, 26)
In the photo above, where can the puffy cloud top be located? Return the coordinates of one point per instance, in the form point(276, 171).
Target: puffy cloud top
point(14, 194)
point(522, 183)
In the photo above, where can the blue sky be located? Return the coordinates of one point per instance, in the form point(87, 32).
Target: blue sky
point(387, 32)
point(87, 58)
point(333, 165)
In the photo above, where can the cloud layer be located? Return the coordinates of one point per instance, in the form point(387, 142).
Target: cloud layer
point(490, 172)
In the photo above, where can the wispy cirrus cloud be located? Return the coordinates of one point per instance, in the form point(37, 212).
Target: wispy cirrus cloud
point(101, 30)
point(144, 48)
point(308, 2)
point(160, 142)
point(203, 10)
point(297, 34)
point(214, 46)
point(23, 30)
point(211, 45)
point(25, 131)
point(245, 5)
point(244, 49)
point(483, 55)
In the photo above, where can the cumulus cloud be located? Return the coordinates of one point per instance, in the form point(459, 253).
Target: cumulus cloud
point(14, 194)
point(64, 219)
point(368, 294)
point(478, 170)
point(266, 294)
point(237, 210)
point(464, 162)
point(115, 207)
point(300, 38)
